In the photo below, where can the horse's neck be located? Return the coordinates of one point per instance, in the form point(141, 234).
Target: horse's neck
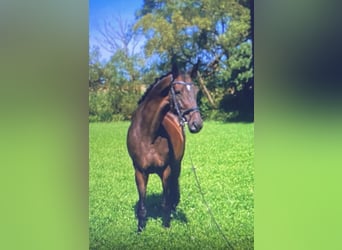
point(151, 115)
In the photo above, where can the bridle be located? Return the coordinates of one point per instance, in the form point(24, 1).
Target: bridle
point(181, 114)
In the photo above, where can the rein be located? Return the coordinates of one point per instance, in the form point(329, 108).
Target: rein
point(182, 121)
point(181, 115)
point(206, 203)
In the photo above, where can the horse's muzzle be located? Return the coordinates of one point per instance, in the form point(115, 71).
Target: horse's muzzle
point(195, 124)
point(195, 127)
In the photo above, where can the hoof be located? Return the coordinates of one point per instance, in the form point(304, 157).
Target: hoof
point(141, 227)
point(166, 225)
point(167, 220)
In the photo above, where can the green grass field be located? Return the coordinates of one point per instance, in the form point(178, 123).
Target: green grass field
point(223, 156)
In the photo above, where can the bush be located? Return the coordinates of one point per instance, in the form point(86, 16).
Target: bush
point(118, 117)
point(128, 105)
point(110, 105)
point(219, 115)
point(100, 106)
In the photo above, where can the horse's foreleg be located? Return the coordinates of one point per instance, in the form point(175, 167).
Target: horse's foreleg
point(166, 204)
point(175, 195)
point(141, 181)
point(174, 183)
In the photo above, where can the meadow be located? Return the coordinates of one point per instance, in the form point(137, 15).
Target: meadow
point(222, 154)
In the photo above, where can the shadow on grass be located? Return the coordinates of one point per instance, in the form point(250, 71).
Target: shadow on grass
point(155, 210)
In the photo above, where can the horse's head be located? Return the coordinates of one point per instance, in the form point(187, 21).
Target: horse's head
point(183, 95)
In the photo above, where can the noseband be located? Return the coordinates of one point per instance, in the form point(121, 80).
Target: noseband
point(181, 115)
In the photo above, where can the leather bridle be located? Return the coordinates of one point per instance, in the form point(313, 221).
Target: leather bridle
point(181, 114)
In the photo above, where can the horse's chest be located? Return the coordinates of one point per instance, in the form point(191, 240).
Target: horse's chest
point(158, 155)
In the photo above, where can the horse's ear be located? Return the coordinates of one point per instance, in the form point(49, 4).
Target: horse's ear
point(175, 70)
point(194, 69)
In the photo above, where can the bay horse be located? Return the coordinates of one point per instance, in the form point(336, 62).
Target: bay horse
point(156, 139)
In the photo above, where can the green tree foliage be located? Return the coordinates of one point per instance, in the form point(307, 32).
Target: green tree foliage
point(113, 87)
point(219, 33)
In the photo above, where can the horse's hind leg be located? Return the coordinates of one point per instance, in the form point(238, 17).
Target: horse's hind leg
point(141, 181)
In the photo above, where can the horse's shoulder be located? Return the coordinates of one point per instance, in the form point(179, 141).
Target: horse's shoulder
point(175, 132)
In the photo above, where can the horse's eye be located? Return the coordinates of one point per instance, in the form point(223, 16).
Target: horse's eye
point(177, 92)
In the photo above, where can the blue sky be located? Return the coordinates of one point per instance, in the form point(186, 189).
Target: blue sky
point(100, 10)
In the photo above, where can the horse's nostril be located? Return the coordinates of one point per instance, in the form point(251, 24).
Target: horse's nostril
point(195, 127)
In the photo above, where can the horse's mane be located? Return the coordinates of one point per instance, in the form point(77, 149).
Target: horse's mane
point(157, 80)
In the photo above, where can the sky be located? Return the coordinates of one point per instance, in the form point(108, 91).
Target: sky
point(101, 10)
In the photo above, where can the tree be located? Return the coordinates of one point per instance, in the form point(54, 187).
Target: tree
point(216, 32)
point(116, 34)
point(119, 89)
point(96, 76)
point(118, 38)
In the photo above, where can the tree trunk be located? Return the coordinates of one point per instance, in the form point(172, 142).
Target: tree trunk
point(205, 90)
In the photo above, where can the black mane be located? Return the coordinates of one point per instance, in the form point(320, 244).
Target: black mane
point(143, 97)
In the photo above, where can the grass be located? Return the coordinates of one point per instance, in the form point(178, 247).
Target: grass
point(223, 156)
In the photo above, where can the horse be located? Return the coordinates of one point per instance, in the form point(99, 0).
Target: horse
point(156, 138)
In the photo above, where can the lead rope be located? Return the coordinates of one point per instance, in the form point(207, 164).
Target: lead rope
point(207, 205)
